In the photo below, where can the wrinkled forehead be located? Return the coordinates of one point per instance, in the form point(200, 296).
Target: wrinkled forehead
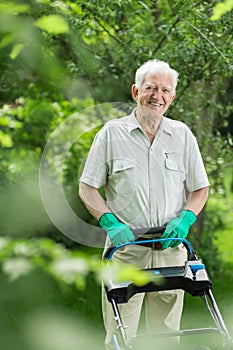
point(158, 78)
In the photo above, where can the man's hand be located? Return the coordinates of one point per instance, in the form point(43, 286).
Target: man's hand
point(178, 228)
point(118, 232)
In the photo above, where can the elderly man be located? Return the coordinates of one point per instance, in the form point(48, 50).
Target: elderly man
point(153, 175)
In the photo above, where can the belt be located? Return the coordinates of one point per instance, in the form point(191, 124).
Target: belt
point(152, 245)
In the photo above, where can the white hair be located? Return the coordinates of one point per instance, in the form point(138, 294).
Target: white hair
point(152, 66)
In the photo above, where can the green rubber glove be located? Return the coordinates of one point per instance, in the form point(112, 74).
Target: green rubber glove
point(118, 232)
point(178, 228)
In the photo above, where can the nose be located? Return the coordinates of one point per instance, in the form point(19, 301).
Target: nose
point(157, 93)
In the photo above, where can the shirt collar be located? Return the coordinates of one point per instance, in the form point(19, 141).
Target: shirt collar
point(133, 123)
point(166, 126)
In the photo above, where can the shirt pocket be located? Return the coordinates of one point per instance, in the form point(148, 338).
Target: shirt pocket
point(174, 166)
point(174, 161)
point(123, 175)
point(121, 165)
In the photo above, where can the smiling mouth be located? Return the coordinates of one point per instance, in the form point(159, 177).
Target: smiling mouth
point(156, 104)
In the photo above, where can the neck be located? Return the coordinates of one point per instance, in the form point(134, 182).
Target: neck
point(148, 123)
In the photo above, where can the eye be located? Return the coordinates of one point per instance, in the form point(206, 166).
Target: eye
point(151, 88)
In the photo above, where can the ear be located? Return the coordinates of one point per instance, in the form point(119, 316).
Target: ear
point(134, 92)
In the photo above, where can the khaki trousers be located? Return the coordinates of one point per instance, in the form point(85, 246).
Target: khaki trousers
point(163, 309)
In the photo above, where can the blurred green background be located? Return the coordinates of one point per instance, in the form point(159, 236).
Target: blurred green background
point(58, 58)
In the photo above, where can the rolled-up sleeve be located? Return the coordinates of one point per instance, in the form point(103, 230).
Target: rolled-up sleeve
point(95, 169)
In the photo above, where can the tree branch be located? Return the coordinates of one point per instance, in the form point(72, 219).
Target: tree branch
point(197, 3)
point(107, 31)
point(166, 35)
point(209, 42)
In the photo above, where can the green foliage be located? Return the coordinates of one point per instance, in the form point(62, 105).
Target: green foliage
point(28, 123)
point(37, 305)
point(57, 59)
point(12, 7)
point(107, 41)
point(214, 244)
point(19, 257)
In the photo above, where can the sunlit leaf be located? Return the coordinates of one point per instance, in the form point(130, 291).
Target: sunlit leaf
point(16, 267)
point(13, 8)
point(139, 278)
point(6, 40)
point(221, 8)
point(53, 24)
point(75, 7)
point(44, 2)
point(120, 272)
point(16, 51)
point(61, 6)
point(70, 270)
point(5, 140)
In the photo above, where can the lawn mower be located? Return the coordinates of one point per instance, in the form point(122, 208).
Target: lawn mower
point(192, 278)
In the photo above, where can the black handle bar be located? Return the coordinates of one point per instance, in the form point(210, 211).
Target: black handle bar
point(148, 230)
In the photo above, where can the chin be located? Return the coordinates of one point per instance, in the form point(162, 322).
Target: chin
point(149, 112)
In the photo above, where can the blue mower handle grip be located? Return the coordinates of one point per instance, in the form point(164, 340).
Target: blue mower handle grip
point(109, 253)
point(154, 230)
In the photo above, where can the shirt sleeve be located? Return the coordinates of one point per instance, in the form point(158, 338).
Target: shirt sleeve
point(196, 176)
point(96, 168)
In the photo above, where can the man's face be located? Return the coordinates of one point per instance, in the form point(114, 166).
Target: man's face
point(155, 95)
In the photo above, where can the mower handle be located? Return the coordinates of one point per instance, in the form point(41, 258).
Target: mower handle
point(148, 231)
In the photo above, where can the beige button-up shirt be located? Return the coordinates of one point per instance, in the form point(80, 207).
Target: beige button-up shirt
point(145, 184)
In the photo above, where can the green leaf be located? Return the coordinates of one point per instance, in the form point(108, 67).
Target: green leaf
point(70, 270)
point(140, 278)
point(16, 267)
point(76, 8)
point(120, 272)
point(44, 2)
point(6, 40)
point(5, 140)
point(53, 24)
point(221, 8)
point(13, 8)
point(16, 51)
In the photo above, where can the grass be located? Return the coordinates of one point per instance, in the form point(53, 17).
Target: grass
point(225, 236)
